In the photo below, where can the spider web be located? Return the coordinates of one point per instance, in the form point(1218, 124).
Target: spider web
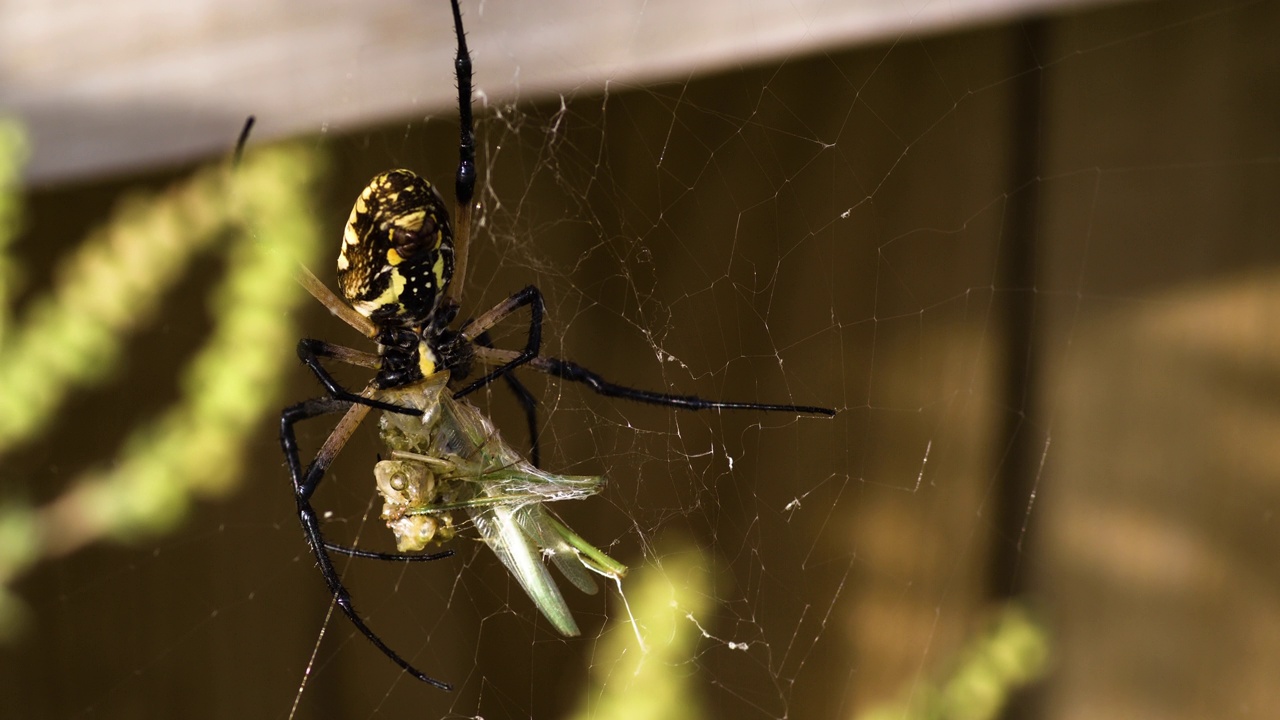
point(1031, 267)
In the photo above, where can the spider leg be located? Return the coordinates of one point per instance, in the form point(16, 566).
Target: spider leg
point(527, 401)
point(303, 481)
point(392, 557)
point(464, 191)
point(304, 486)
point(310, 351)
point(529, 296)
point(242, 141)
point(466, 181)
point(465, 185)
point(573, 372)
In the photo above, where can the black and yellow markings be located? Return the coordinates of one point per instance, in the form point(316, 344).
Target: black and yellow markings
point(397, 250)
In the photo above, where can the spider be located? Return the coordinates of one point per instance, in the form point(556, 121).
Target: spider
point(401, 270)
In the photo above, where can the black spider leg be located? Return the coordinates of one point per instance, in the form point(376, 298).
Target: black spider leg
point(530, 296)
point(390, 557)
point(311, 350)
point(242, 141)
point(466, 180)
point(304, 486)
point(527, 401)
point(306, 482)
point(573, 372)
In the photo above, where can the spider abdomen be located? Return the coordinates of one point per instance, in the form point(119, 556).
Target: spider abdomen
point(397, 250)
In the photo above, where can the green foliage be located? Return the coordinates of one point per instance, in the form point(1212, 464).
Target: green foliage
point(656, 679)
point(659, 678)
point(1013, 653)
point(260, 214)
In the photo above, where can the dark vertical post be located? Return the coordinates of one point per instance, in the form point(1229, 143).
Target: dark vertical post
point(1021, 442)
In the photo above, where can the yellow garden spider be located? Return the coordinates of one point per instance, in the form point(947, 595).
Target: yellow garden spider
point(401, 269)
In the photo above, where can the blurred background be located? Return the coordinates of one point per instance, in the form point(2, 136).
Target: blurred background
point(1027, 250)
